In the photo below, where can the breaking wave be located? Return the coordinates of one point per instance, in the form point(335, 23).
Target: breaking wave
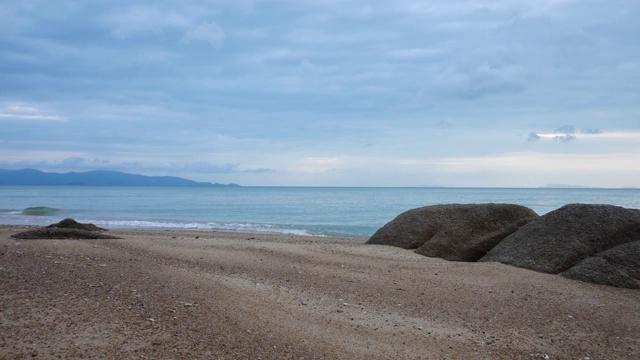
point(40, 211)
point(213, 226)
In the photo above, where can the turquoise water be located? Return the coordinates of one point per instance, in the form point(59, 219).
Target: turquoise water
point(357, 212)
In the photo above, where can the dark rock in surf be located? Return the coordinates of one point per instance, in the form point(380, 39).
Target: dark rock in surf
point(457, 232)
point(65, 229)
point(57, 233)
point(69, 223)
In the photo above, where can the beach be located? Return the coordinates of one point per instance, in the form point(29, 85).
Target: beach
point(211, 295)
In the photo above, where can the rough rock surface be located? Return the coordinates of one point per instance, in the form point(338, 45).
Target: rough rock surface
point(564, 237)
point(69, 223)
point(456, 232)
point(65, 229)
point(618, 266)
point(57, 233)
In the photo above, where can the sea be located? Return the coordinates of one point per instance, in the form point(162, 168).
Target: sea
point(316, 211)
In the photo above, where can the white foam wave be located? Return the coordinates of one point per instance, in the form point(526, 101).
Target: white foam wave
point(233, 227)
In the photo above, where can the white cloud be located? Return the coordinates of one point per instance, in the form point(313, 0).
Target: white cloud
point(30, 117)
point(528, 169)
point(24, 111)
point(35, 158)
point(539, 163)
point(275, 55)
point(140, 20)
point(585, 134)
point(207, 32)
point(416, 53)
point(143, 20)
point(479, 81)
point(343, 38)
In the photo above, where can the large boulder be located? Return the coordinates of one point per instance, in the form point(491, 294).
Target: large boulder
point(618, 266)
point(562, 238)
point(456, 232)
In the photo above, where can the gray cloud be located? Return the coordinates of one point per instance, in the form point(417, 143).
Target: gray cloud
point(140, 20)
point(444, 125)
point(568, 133)
point(204, 88)
point(471, 82)
point(84, 164)
point(258, 171)
point(566, 129)
point(205, 168)
point(564, 138)
point(207, 32)
point(67, 164)
point(74, 161)
point(591, 131)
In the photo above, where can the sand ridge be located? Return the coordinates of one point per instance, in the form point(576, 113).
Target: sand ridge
point(185, 295)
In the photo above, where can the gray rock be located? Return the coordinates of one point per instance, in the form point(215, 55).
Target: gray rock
point(456, 232)
point(57, 233)
point(618, 266)
point(69, 223)
point(65, 229)
point(564, 237)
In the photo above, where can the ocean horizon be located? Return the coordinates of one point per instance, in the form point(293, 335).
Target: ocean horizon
point(317, 211)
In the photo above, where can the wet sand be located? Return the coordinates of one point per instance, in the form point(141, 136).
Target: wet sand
point(208, 295)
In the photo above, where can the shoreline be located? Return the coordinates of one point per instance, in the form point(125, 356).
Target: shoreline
point(302, 233)
point(195, 230)
point(206, 294)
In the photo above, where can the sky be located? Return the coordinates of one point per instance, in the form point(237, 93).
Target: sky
point(470, 93)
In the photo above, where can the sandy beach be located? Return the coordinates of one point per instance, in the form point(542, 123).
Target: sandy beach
point(208, 295)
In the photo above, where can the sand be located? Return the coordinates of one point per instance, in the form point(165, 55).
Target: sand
point(209, 295)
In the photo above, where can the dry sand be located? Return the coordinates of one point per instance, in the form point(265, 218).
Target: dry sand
point(207, 295)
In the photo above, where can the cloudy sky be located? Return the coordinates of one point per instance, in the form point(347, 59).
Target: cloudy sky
point(325, 92)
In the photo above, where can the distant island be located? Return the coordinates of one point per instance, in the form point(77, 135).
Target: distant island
point(97, 178)
point(565, 186)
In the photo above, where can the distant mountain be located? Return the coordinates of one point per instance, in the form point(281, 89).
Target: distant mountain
point(564, 186)
point(95, 178)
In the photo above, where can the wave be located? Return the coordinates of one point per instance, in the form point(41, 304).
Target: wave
point(40, 211)
point(213, 226)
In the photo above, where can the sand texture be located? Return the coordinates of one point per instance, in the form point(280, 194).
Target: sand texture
point(207, 295)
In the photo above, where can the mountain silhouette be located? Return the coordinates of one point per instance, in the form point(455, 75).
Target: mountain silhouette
point(95, 178)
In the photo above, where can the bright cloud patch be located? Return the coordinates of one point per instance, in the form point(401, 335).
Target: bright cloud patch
point(22, 111)
point(567, 133)
point(599, 135)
